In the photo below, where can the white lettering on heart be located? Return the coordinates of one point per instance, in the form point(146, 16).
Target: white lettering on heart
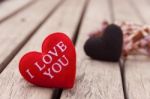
point(53, 53)
point(48, 73)
point(28, 72)
point(61, 46)
point(62, 62)
point(56, 67)
point(47, 60)
point(39, 67)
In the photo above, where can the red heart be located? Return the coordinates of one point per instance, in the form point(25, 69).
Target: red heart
point(55, 67)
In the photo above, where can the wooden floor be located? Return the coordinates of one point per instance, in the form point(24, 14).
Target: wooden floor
point(25, 23)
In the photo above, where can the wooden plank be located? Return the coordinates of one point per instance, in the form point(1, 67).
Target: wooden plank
point(142, 7)
point(95, 79)
point(137, 67)
point(13, 86)
point(10, 7)
point(137, 77)
point(125, 12)
point(22, 26)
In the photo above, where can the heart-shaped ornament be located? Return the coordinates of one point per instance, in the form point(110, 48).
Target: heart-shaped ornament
point(107, 47)
point(54, 67)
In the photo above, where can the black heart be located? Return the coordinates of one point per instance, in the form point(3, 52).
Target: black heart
point(107, 47)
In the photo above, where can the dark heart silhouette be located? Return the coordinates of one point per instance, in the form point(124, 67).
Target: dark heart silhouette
point(107, 47)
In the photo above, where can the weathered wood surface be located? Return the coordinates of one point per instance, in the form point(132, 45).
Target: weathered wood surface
point(10, 7)
point(95, 79)
point(125, 12)
point(16, 30)
point(137, 68)
point(12, 85)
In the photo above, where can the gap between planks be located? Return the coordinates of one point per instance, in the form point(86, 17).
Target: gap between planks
point(93, 76)
point(16, 10)
point(137, 67)
point(55, 23)
point(58, 92)
point(80, 22)
point(121, 63)
point(25, 40)
point(129, 13)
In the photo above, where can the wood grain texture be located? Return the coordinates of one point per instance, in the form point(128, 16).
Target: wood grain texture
point(123, 11)
point(137, 77)
point(142, 7)
point(20, 27)
point(137, 68)
point(94, 79)
point(12, 85)
point(8, 8)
